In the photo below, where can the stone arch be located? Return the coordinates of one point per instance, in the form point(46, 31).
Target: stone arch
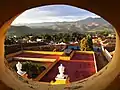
point(11, 9)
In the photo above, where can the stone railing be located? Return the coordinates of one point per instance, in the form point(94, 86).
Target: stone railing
point(13, 54)
point(44, 52)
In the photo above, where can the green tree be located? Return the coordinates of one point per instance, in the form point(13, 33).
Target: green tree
point(89, 42)
point(47, 37)
point(32, 69)
point(104, 33)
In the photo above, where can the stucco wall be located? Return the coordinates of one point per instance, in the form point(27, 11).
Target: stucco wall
point(105, 79)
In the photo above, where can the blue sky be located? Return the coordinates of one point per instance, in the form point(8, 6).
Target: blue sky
point(52, 13)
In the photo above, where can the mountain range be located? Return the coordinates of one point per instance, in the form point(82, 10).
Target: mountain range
point(82, 26)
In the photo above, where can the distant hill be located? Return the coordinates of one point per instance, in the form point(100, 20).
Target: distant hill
point(90, 20)
point(23, 30)
point(86, 25)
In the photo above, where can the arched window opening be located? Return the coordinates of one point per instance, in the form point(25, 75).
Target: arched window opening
point(44, 38)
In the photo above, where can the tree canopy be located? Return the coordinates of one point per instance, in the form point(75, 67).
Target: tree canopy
point(86, 43)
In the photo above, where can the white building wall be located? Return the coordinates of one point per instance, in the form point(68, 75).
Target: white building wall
point(107, 55)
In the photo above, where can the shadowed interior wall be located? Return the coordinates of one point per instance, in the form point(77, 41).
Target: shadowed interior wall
point(105, 79)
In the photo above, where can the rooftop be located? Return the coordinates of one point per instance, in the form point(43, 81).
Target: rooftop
point(80, 65)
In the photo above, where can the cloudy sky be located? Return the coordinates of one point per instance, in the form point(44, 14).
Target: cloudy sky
point(52, 13)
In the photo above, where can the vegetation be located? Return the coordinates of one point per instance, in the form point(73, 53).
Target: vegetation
point(89, 42)
point(81, 26)
point(32, 69)
point(105, 33)
point(57, 38)
point(86, 43)
point(58, 31)
point(83, 44)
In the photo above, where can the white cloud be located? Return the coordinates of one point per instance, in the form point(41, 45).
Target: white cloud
point(38, 15)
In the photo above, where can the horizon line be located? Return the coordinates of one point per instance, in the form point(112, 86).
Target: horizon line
point(20, 24)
